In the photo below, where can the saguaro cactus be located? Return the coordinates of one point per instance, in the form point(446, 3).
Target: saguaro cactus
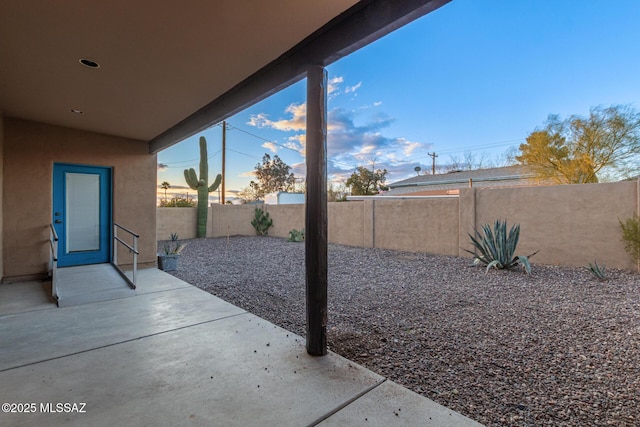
point(201, 185)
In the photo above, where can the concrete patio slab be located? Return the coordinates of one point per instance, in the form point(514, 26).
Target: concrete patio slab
point(239, 371)
point(23, 297)
point(40, 335)
point(154, 280)
point(175, 355)
point(390, 404)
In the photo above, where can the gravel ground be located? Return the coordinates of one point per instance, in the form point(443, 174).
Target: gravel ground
point(556, 348)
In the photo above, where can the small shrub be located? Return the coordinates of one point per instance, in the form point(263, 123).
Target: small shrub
point(175, 247)
point(599, 271)
point(631, 237)
point(296, 235)
point(178, 202)
point(261, 222)
point(496, 248)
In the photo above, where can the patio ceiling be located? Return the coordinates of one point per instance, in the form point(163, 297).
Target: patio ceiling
point(169, 69)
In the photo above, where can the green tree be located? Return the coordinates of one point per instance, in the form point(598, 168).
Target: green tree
point(165, 185)
point(178, 202)
point(272, 175)
point(365, 182)
point(577, 149)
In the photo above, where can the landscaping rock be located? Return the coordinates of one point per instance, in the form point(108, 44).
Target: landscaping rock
point(556, 348)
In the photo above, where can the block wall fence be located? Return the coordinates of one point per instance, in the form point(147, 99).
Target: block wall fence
point(569, 225)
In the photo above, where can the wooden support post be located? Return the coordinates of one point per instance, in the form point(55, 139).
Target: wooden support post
point(316, 211)
point(224, 161)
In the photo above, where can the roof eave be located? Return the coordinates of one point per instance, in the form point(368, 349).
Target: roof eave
point(360, 25)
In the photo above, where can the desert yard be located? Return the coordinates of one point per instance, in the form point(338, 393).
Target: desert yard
point(555, 348)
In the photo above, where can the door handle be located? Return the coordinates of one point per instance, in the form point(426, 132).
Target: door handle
point(58, 221)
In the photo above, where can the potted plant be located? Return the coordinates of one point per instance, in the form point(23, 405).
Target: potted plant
point(168, 259)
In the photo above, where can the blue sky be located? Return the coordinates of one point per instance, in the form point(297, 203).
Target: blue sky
point(472, 77)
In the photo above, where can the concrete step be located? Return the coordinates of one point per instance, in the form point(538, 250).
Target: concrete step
point(91, 283)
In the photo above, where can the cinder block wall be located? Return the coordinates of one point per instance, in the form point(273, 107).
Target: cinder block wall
point(183, 221)
point(422, 225)
point(351, 223)
point(226, 220)
point(568, 224)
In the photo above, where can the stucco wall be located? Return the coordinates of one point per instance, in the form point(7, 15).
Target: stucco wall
point(570, 224)
point(350, 223)
point(30, 150)
point(423, 225)
point(346, 224)
point(230, 220)
point(285, 218)
point(236, 220)
point(182, 221)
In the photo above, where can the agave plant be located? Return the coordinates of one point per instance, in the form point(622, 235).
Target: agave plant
point(496, 247)
point(599, 271)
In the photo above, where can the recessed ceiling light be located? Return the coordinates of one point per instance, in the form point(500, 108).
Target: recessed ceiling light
point(89, 63)
point(73, 110)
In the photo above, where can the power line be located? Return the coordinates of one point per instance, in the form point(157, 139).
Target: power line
point(480, 146)
point(264, 139)
point(244, 154)
point(189, 162)
point(181, 161)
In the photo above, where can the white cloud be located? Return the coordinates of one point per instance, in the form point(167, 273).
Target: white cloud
point(409, 146)
point(352, 139)
point(270, 146)
point(296, 123)
point(259, 120)
point(351, 89)
point(367, 149)
point(334, 84)
point(298, 143)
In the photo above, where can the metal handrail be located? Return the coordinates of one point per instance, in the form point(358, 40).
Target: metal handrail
point(53, 261)
point(132, 249)
point(127, 230)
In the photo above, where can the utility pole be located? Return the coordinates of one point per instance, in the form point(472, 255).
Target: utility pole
point(224, 152)
point(433, 167)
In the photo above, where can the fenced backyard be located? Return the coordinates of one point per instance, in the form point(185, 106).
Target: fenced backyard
point(569, 225)
point(556, 348)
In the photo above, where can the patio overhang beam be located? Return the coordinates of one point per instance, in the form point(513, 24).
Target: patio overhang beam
point(363, 23)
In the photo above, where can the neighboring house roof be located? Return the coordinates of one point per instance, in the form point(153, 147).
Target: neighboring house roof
point(508, 176)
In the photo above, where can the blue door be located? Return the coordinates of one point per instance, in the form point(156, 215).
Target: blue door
point(82, 214)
